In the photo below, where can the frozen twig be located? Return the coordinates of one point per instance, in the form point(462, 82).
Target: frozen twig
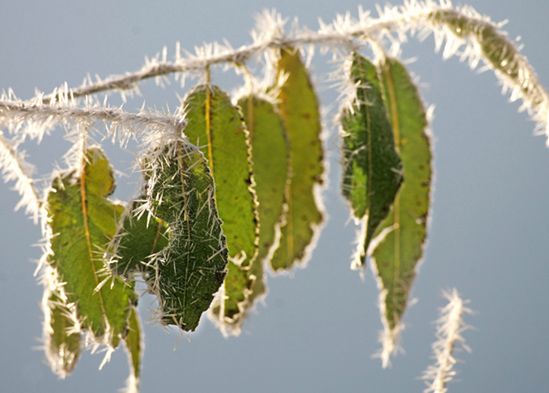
point(14, 168)
point(14, 114)
point(343, 30)
point(462, 30)
point(450, 327)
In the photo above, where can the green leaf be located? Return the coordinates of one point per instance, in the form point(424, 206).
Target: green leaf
point(134, 347)
point(190, 269)
point(243, 285)
point(216, 127)
point(399, 251)
point(61, 333)
point(298, 107)
point(270, 166)
point(241, 288)
point(372, 169)
point(83, 221)
point(229, 308)
point(138, 238)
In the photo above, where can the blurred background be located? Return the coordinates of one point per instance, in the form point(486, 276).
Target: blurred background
point(318, 328)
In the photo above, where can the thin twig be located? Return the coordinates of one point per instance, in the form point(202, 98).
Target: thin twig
point(15, 168)
point(345, 32)
point(450, 327)
point(11, 109)
point(329, 34)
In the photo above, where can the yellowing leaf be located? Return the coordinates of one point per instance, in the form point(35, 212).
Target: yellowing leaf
point(298, 107)
point(244, 285)
point(397, 253)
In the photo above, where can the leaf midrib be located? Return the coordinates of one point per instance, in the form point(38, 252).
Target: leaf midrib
point(391, 95)
point(87, 235)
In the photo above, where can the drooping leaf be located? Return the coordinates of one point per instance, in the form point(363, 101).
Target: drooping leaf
point(270, 168)
point(216, 127)
point(138, 238)
point(83, 221)
point(298, 107)
point(229, 307)
point(134, 347)
point(397, 254)
point(372, 169)
point(186, 273)
point(61, 334)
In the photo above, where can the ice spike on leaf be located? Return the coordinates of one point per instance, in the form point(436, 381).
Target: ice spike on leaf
point(189, 270)
point(215, 125)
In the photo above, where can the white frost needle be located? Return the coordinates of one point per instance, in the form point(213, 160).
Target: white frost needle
point(450, 327)
point(14, 168)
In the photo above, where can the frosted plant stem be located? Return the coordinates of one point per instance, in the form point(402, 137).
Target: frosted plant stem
point(460, 28)
point(15, 168)
point(410, 16)
point(17, 111)
point(450, 327)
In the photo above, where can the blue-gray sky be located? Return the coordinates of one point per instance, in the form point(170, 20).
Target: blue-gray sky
point(318, 329)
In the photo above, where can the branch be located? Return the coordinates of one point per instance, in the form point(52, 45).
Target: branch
point(268, 35)
point(40, 117)
point(464, 32)
point(449, 338)
point(14, 168)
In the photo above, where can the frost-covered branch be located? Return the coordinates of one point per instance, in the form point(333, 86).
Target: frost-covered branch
point(14, 168)
point(36, 118)
point(267, 35)
point(450, 327)
point(462, 30)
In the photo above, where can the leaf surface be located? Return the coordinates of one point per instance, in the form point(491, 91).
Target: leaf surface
point(137, 240)
point(83, 221)
point(190, 269)
point(244, 285)
point(270, 166)
point(372, 169)
point(61, 334)
point(299, 109)
point(134, 347)
point(216, 127)
point(398, 253)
